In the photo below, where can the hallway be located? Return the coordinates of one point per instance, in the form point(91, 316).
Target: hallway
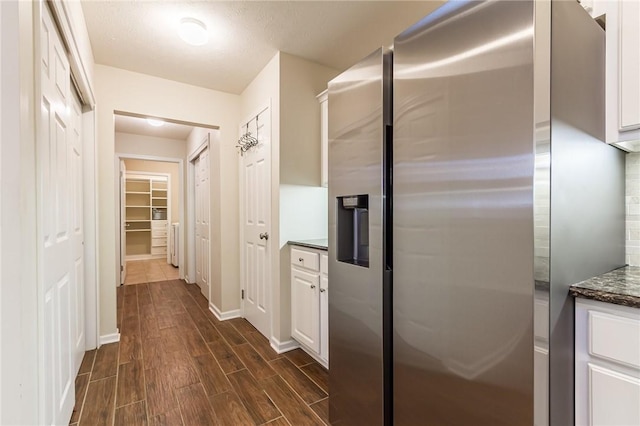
point(177, 364)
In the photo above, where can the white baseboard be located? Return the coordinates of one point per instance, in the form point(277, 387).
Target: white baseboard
point(109, 338)
point(138, 257)
point(282, 347)
point(222, 316)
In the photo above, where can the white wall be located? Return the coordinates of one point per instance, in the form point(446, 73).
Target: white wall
point(18, 279)
point(303, 213)
point(290, 85)
point(120, 90)
point(300, 163)
point(225, 267)
point(632, 188)
point(300, 82)
point(127, 143)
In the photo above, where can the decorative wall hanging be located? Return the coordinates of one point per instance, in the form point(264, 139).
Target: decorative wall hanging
point(246, 141)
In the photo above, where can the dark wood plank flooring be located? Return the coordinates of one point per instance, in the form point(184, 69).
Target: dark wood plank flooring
point(176, 364)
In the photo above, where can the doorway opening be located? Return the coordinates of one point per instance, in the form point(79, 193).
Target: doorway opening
point(153, 208)
point(150, 220)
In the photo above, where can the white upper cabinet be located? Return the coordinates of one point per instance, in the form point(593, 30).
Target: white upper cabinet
point(324, 137)
point(629, 60)
point(622, 19)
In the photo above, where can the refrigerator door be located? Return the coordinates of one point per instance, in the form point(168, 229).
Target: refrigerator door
point(358, 123)
point(463, 167)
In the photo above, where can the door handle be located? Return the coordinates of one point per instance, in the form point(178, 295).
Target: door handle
point(322, 290)
point(264, 235)
point(313, 286)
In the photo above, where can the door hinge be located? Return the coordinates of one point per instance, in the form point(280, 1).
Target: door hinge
point(242, 294)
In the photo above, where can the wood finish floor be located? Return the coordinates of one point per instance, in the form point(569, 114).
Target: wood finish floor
point(148, 271)
point(176, 364)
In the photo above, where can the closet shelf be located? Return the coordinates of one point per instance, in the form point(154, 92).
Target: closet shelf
point(138, 230)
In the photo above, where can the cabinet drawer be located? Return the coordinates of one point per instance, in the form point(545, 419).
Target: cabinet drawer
point(616, 338)
point(324, 264)
point(159, 224)
point(305, 259)
point(159, 250)
point(156, 242)
point(158, 233)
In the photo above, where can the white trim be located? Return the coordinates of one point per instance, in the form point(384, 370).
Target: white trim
point(196, 153)
point(223, 316)
point(143, 257)
point(60, 10)
point(91, 238)
point(282, 347)
point(109, 338)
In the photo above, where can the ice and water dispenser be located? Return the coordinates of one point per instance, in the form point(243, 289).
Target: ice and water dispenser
point(353, 230)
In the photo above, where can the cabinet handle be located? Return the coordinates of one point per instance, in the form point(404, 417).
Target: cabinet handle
point(322, 290)
point(300, 259)
point(313, 286)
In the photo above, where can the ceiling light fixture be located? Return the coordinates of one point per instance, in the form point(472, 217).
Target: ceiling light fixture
point(193, 31)
point(155, 122)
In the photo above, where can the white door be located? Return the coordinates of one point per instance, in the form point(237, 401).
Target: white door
point(55, 201)
point(305, 303)
point(202, 221)
point(77, 216)
point(123, 222)
point(256, 207)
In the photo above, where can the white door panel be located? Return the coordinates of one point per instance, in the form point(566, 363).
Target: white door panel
point(256, 209)
point(60, 213)
point(123, 222)
point(77, 222)
point(202, 208)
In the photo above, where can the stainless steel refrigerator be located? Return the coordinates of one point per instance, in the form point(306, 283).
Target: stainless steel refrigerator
point(469, 187)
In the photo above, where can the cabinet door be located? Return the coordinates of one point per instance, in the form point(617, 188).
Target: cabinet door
point(629, 86)
point(305, 315)
point(324, 317)
point(613, 397)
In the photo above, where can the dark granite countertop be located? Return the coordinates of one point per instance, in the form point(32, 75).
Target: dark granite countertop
point(620, 286)
point(320, 244)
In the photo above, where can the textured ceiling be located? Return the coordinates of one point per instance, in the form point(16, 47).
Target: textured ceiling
point(141, 36)
point(139, 126)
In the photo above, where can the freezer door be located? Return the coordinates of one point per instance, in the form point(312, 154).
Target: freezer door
point(358, 118)
point(463, 167)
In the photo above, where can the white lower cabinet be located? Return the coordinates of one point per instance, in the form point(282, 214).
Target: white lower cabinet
point(305, 307)
point(310, 301)
point(607, 364)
